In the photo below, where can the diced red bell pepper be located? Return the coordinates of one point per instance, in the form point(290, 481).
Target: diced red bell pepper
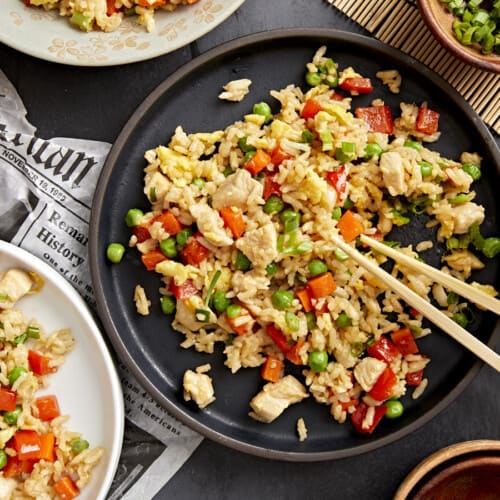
point(278, 156)
point(359, 415)
point(243, 323)
point(336, 97)
point(141, 233)
point(403, 338)
point(427, 121)
point(384, 385)
point(16, 467)
point(152, 258)
point(271, 369)
point(194, 252)
point(270, 187)
point(310, 109)
point(66, 488)
point(7, 399)
point(278, 338)
point(48, 407)
point(293, 353)
point(184, 291)
point(350, 227)
point(338, 179)
point(40, 364)
point(110, 7)
point(377, 118)
point(357, 84)
point(259, 161)
point(305, 299)
point(27, 444)
point(169, 222)
point(383, 349)
point(414, 378)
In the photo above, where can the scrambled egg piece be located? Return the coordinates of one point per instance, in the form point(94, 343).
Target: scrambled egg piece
point(178, 271)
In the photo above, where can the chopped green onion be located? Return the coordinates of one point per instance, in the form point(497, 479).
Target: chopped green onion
point(310, 320)
point(242, 262)
point(78, 445)
point(425, 168)
point(183, 236)
point(202, 315)
point(346, 152)
point(211, 286)
point(372, 149)
point(292, 321)
point(199, 183)
point(313, 79)
point(491, 247)
point(20, 339)
point(460, 198)
point(348, 203)
point(152, 195)
point(413, 144)
point(307, 136)
point(244, 146)
point(452, 298)
point(290, 219)
point(399, 219)
point(33, 332)
point(168, 304)
point(336, 213)
point(357, 348)
point(326, 140)
point(271, 268)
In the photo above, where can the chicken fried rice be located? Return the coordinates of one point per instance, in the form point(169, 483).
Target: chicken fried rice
point(39, 457)
point(242, 231)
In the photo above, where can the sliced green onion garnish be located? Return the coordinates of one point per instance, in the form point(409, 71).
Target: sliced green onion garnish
point(211, 286)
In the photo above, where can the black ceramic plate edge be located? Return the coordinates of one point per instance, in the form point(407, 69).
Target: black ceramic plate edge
point(327, 36)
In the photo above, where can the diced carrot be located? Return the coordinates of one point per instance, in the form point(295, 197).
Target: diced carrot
point(152, 258)
point(258, 162)
point(40, 364)
point(7, 399)
point(278, 156)
point(305, 299)
point(66, 488)
point(184, 291)
point(194, 252)
point(110, 7)
point(293, 353)
point(310, 109)
point(270, 187)
point(48, 407)
point(271, 369)
point(233, 219)
point(427, 121)
point(321, 286)
point(414, 378)
point(403, 338)
point(169, 222)
point(47, 447)
point(349, 226)
point(278, 337)
point(27, 444)
point(243, 323)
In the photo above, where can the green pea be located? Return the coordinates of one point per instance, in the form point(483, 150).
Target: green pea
point(282, 299)
point(115, 252)
point(78, 445)
point(263, 109)
point(461, 319)
point(183, 236)
point(227, 171)
point(242, 262)
point(233, 311)
point(3, 459)
point(290, 219)
point(317, 267)
point(310, 320)
point(473, 170)
point(343, 320)
point(133, 217)
point(318, 361)
point(372, 149)
point(248, 156)
point(271, 268)
point(425, 168)
point(168, 247)
point(10, 417)
point(292, 321)
point(452, 298)
point(313, 79)
point(274, 204)
point(336, 213)
point(16, 373)
point(340, 255)
point(199, 183)
point(413, 144)
point(244, 146)
point(220, 301)
point(491, 247)
point(348, 203)
point(307, 136)
point(394, 409)
point(168, 304)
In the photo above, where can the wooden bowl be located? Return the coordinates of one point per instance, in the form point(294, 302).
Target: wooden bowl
point(462, 471)
point(439, 21)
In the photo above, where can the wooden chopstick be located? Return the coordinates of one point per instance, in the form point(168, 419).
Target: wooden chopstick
point(463, 289)
point(420, 304)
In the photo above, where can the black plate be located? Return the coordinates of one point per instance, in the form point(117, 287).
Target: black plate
point(149, 346)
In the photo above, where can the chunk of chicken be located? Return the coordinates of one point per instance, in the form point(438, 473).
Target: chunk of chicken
point(459, 178)
point(7, 487)
point(185, 313)
point(393, 173)
point(276, 397)
point(211, 225)
point(259, 245)
point(367, 372)
point(236, 190)
point(198, 387)
point(14, 285)
point(465, 215)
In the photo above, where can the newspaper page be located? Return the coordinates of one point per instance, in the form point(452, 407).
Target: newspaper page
point(46, 189)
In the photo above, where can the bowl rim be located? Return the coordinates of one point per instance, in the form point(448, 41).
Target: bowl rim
point(452, 45)
point(440, 457)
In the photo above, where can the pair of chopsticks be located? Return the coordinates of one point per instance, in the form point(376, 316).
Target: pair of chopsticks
point(423, 306)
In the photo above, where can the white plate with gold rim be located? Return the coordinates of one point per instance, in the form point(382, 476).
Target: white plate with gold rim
point(48, 36)
point(86, 385)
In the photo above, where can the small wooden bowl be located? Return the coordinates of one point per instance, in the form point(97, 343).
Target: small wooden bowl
point(439, 21)
point(465, 470)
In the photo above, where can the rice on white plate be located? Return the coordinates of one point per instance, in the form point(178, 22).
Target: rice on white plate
point(242, 228)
